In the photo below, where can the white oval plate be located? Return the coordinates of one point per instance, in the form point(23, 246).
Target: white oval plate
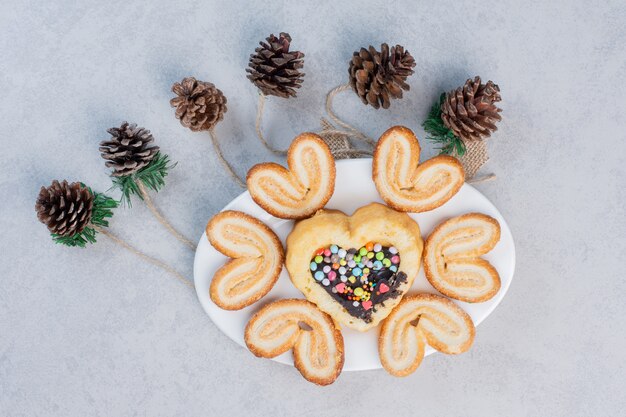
point(353, 188)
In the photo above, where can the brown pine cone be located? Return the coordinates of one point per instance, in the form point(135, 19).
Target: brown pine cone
point(128, 150)
point(469, 111)
point(199, 105)
point(65, 208)
point(275, 70)
point(377, 77)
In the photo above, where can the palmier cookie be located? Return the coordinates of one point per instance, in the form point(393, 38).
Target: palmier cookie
point(407, 185)
point(301, 190)
point(451, 258)
point(419, 320)
point(257, 254)
point(297, 324)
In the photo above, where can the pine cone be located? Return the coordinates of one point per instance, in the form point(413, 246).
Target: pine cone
point(65, 208)
point(377, 77)
point(275, 70)
point(199, 105)
point(128, 150)
point(469, 111)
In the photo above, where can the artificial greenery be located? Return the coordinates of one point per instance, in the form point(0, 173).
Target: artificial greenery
point(152, 176)
point(438, 132)
point(102, 209)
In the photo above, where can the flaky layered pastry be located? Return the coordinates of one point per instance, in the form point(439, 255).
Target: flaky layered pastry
point(419, 320)
point(257, 254)
point(407, 185)
point(297, 324)
point(374, 222)
point(452, 262)
point(301, 190)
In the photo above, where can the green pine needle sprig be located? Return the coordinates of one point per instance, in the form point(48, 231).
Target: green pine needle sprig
point(152, 176)
point(438, 132)
point(102, 210)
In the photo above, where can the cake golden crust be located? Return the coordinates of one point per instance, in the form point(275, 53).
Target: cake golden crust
point(372, 223)
point(257, 254)
point(301, 190)
point(280, 326)
point(452, 262)
point(419, 320)
point(407, 185)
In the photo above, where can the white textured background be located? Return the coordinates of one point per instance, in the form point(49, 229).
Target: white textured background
point(94, 332)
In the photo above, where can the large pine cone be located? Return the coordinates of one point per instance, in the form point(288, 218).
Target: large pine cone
point(377, 77)
point(199, 105)
point(275, 70)
point(65, 208)
point(128, 150)
point(469, 111)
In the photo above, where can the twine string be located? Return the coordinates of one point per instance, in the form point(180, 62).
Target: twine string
point(331, 113)
point(484, 178)
point(144, 256)
point(223, 160)
point(257, 126)
point(339, 143)
point(161, 219)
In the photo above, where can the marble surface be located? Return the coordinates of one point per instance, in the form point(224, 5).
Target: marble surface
point(96, 332)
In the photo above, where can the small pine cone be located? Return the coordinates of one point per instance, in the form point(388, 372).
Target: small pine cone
point(65, 208)
point(199, 105)
point(469, 111)
point(128, 150)
point(275, 70)
point(377, 77)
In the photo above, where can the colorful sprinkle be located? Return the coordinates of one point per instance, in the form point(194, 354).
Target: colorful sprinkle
point(352, 275)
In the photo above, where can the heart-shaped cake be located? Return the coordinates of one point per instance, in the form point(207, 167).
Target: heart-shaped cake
point(355, 268)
